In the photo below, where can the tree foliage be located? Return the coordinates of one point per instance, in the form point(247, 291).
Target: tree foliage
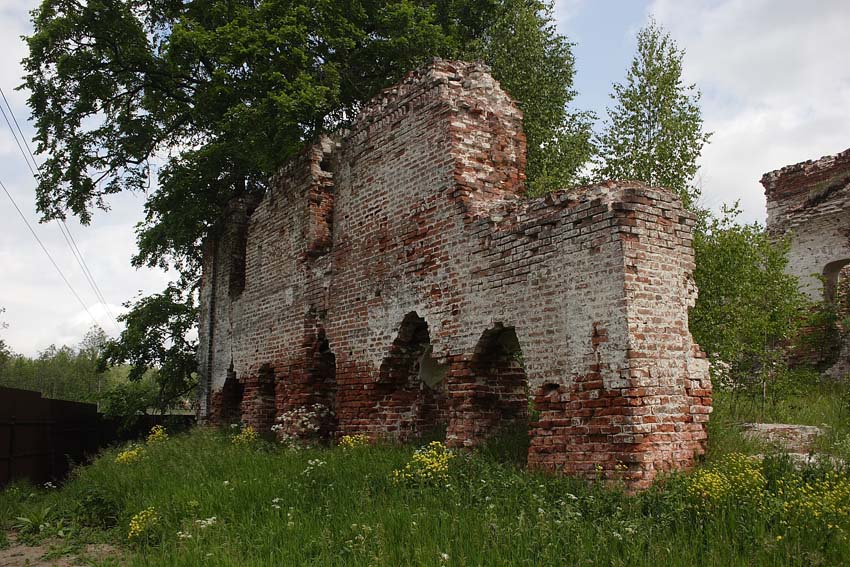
point(64, 372)
point(5, 351)
point(222, 92)
point(654, 132)
point(156, 336)
point(748, 307)
point(535, 65)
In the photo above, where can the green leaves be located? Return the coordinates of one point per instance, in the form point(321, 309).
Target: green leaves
point(156, 336)
point(535, 65)
point(223, 92)
point(747, 306)
point(654, 132)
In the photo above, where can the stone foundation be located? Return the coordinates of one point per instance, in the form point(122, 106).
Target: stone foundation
point(398, 277)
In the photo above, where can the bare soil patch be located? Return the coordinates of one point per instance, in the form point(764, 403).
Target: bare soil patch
point(55, 553)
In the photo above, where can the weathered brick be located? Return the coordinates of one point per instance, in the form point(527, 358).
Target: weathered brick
point(398, 277)
point(809, 203)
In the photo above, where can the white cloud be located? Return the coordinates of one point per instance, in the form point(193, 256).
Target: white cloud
point(565, 10)
point(775, 83)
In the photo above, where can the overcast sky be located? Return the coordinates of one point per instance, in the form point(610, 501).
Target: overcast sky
point(775, 80)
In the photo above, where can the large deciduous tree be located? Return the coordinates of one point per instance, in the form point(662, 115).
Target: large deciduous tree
point(654, 133)
point(220, 93)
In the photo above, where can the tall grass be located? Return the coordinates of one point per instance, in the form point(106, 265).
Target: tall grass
point(319, 506)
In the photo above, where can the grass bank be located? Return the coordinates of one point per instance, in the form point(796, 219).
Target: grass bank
point(200, 499)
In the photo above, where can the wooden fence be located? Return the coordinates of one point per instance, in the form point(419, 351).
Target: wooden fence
point(41, 439)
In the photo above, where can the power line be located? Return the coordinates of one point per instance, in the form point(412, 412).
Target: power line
point(24, 138)
point(49, 257)
point(63, 227)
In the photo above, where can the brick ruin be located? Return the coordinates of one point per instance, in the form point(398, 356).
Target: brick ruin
point(396, 281)
point(809, 203)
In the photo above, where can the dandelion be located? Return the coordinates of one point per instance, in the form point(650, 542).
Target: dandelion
point(444, 557)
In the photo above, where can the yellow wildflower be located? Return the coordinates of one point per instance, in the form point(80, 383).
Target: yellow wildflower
point(142, 524)
point(130, 455)
point(248, 436)
point(353, 441)
point(157, 435)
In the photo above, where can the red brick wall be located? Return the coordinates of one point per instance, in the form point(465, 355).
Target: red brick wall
point(446, 298)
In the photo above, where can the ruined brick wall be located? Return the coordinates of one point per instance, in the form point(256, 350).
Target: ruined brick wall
point(398, 278)
point(809, 203)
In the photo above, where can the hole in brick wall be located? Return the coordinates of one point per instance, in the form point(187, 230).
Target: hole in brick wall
point(237, 262)
point(410, 398)
point(231, 399)
point(549, 389)
point(322, 381)
point(263, 403)
point(431, 372)
point(835, 277)
point(324, 163)
point(501, 399)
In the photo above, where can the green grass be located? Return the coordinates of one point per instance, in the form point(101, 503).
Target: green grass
point(803, 401)
point(326, 507)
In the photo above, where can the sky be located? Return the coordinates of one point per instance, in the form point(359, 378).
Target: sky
point(775, 84)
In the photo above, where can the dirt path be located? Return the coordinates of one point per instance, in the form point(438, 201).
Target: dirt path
point(46, 555)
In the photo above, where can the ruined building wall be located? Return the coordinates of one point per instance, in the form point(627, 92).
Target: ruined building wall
point(809, 203)
point(398, 278)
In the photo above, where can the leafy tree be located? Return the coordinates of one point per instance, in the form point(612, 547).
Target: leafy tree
point(63, 372)
point(535, 65)
point(748, 307)
point(225, 91)
point(654, 132)
point(156, 337)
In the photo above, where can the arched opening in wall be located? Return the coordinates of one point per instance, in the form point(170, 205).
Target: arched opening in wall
point(230, 400)
point(410, 396)
point(835, 281)
point(498, 401)
point(837, 294)
point(263, 400)
point(322, 385)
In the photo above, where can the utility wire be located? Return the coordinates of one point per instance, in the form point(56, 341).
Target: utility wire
point(49, 257)
point(63, 227)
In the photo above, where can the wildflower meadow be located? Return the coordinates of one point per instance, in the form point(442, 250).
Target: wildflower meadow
point(225, 497)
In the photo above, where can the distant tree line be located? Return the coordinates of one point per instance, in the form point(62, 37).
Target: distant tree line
point(78, 373)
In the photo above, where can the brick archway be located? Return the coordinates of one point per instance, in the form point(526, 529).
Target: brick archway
point(490, 391)
point(409, 396)
point(833, 274)
point(227, 402)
